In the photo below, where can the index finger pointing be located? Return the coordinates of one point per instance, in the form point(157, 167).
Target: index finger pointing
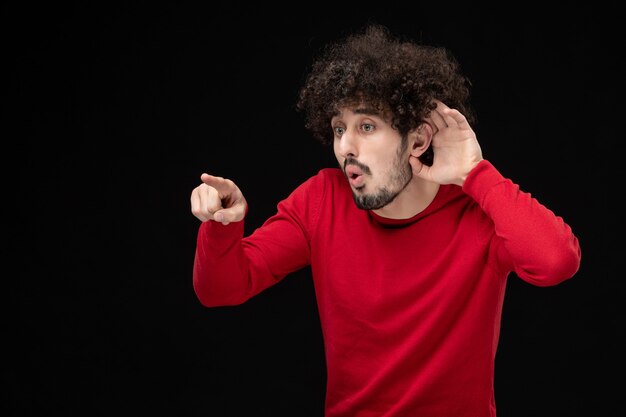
point(223, 186)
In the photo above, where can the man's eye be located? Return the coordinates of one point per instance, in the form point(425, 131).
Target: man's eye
point(368, 127)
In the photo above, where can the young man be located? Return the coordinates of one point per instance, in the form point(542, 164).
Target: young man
point(410, 240)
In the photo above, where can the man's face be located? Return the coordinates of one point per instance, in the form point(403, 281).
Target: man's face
point(372, 155)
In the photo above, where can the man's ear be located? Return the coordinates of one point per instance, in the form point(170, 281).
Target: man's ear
point(420, 139)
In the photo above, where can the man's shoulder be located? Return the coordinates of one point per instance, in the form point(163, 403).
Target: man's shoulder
point(326, 180)
point(330, 173)
point(325, 175)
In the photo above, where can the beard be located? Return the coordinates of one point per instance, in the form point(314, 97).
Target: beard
point(399, 174)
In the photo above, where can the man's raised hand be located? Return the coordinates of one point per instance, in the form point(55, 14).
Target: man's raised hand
point(218, 199)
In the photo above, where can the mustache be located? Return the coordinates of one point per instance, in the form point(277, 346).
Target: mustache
point(362, 167)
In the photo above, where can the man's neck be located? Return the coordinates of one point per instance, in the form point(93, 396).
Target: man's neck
point(415, 197)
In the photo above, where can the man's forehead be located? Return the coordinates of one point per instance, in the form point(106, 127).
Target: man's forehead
point(358, 109)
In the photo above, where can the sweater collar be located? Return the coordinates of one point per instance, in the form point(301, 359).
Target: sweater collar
point(443, 196)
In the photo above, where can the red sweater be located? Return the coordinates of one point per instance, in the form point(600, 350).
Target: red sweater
point(410, 309)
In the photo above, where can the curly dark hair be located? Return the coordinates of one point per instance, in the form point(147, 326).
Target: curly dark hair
point(399, 78)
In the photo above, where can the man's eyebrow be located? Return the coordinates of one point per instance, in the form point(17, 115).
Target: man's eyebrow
point(370, 111)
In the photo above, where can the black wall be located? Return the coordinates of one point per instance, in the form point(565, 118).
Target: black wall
point(111, 112)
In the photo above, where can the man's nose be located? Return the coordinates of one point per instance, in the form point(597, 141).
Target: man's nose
point(347, 146)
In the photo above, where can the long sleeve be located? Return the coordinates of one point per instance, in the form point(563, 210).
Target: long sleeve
point(530, 239)
point(220, 267)
point(230, 268)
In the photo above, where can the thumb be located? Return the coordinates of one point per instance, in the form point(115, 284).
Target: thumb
point(219, 217)
point(231, 214)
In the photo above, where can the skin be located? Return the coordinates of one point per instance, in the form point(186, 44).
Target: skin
point(393, 178)
point(373, 156)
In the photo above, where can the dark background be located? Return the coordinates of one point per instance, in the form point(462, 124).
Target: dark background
point(111, 112)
